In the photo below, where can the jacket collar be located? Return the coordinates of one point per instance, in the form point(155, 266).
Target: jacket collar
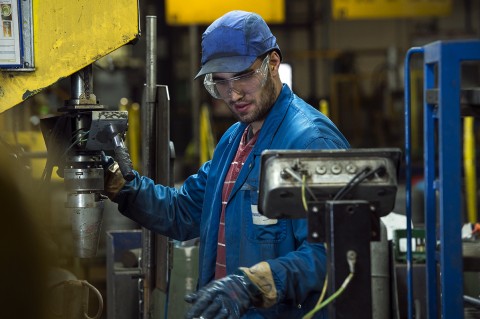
point(273, 120)
point(267, 132)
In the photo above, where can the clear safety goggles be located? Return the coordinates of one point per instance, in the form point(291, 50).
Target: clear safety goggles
point(246, 83)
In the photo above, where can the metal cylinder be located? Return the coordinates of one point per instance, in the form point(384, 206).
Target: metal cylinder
point(84, 182)
point(380, 276)
point(148, 155)
point(84, 179)
point(151, 57)
point(81, 83)
point(86, 211)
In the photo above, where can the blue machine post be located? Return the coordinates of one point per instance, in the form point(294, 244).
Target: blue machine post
point(408, 178)
point(429, 119)
point(442, 163)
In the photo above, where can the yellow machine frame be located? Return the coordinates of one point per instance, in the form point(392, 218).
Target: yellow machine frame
point(68, 36)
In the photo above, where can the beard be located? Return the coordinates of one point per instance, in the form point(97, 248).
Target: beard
point(263, 104)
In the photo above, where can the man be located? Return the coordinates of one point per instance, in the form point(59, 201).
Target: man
point(250, 266)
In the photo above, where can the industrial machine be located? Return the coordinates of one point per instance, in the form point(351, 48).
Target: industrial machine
point(343, 194)
point(47, 49)
point(76, 141)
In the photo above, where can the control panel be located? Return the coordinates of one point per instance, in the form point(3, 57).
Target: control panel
point(291, 178)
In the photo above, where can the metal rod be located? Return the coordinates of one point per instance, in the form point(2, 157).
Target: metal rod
point(148, 155)
point(81, 83)
point(151, 59)
point(163, 177)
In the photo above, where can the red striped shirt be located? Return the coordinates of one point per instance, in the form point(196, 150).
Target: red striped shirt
point(244, 149)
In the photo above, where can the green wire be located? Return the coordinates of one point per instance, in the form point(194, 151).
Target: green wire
point(321, 304)
point(304, 198)
point(331, 298)
point(324, 291)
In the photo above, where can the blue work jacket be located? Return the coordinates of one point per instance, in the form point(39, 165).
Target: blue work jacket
point(193, 210)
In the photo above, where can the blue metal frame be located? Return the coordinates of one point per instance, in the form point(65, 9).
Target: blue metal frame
point(430, 197)
point(442, 138)
point(408, 178)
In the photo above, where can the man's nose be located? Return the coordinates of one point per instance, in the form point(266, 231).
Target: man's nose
point(235, 95)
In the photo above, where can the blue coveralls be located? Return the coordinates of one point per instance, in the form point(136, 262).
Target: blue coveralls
point(298, 267)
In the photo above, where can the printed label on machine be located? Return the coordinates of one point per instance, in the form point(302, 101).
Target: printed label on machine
point(10, 34)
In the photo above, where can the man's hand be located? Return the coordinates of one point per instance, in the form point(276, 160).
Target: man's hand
point(114, 180)
point(229, 297)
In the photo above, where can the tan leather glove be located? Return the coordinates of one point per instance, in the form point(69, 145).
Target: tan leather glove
point(114, 180)
point(261, 275)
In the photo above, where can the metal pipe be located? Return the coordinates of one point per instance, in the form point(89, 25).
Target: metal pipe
point(76, 85)
point(163, 174)
point(148, 156)
point(151, 59)
point(163, 133)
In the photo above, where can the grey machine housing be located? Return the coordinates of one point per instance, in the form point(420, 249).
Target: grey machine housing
point(323, 173)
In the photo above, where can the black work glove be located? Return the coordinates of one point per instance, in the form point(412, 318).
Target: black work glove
point(229, 297)
point(107, 161)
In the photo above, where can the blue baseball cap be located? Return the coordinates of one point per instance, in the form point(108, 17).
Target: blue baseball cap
point(233, 42)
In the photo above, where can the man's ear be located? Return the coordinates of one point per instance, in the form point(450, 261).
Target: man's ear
point(274, 62)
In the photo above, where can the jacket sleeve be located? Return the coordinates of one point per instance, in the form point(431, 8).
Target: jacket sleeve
point(300, 273)
point(165, 210)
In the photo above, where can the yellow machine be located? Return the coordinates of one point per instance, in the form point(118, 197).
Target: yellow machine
point(68, 36)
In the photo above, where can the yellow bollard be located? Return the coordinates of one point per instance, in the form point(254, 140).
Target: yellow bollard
point(323, 107)
point(470, 170)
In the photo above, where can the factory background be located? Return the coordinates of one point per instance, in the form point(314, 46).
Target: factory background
point(351, 68)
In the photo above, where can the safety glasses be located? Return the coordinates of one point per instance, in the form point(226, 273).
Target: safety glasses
point(246, 83)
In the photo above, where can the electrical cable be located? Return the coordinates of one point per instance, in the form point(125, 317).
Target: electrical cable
point(304, 198)
point(324, 290)
point(78, 140)
point(298, 178)
point(473, 301)
point(46, 177)
point(335, 295)
point(357, 179)
point(351, 259)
